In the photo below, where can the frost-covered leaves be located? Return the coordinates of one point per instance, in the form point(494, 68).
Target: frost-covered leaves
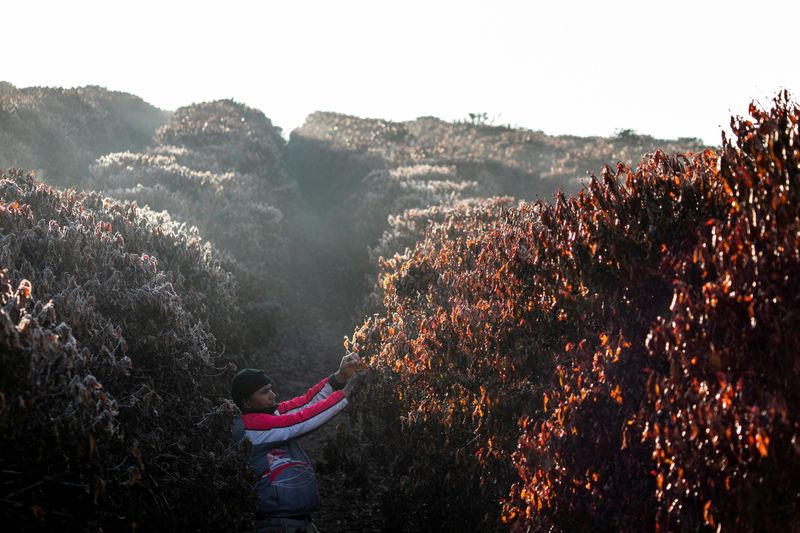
point(233, 136)
point(55, 416)
point(331, 152)
point(62, 131)
point(111, 367)
point(219, 167)
point(624, 359)
point(224, 207)
point(391, 209)
point(385, 193)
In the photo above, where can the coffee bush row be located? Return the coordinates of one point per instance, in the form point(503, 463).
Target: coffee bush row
point(621, 359)
point(119, 334)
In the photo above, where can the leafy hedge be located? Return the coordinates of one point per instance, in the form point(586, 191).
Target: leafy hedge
point(408, 228)
point(331, 153)
point(218, 166)
point(384, 193)
point(62, 131)
point(226, 208)
point(233, 135)
point(722, 411)
point(624, 359)
point(113, 320)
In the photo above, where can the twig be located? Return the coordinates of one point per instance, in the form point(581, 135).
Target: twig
point(26, 488)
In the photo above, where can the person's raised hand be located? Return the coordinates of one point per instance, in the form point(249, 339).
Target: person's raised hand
point(351, 382)
point(362, 367)
point(350, 363)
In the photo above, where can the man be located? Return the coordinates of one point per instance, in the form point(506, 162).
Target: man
point(287, 487)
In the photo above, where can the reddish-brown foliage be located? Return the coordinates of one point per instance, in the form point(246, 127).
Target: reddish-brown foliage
point(622, 359)
point(579, 467)
point(722, 412)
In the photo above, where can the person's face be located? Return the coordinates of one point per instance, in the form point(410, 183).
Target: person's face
point(262, 399)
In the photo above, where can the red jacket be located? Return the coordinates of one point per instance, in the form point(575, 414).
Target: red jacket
point(287, 484)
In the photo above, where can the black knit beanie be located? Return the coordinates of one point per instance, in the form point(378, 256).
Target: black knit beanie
point(246, 382)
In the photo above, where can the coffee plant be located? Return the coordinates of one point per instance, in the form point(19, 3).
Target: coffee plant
point(722, 406)
point(62, 131)
point(409, 227)
point(218, 166)
point(384, 193)
point(622, 359)
point(114, 322)
point(331, 153)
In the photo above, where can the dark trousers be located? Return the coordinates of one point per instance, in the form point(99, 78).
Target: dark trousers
point(285, 525)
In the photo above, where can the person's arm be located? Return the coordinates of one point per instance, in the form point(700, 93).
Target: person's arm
point(262, 427)
point(318, 392)
point(324, 388)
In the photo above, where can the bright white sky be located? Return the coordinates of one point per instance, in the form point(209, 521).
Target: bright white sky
point(669, 69)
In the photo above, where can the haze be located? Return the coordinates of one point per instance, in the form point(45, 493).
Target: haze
point(677, 69)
